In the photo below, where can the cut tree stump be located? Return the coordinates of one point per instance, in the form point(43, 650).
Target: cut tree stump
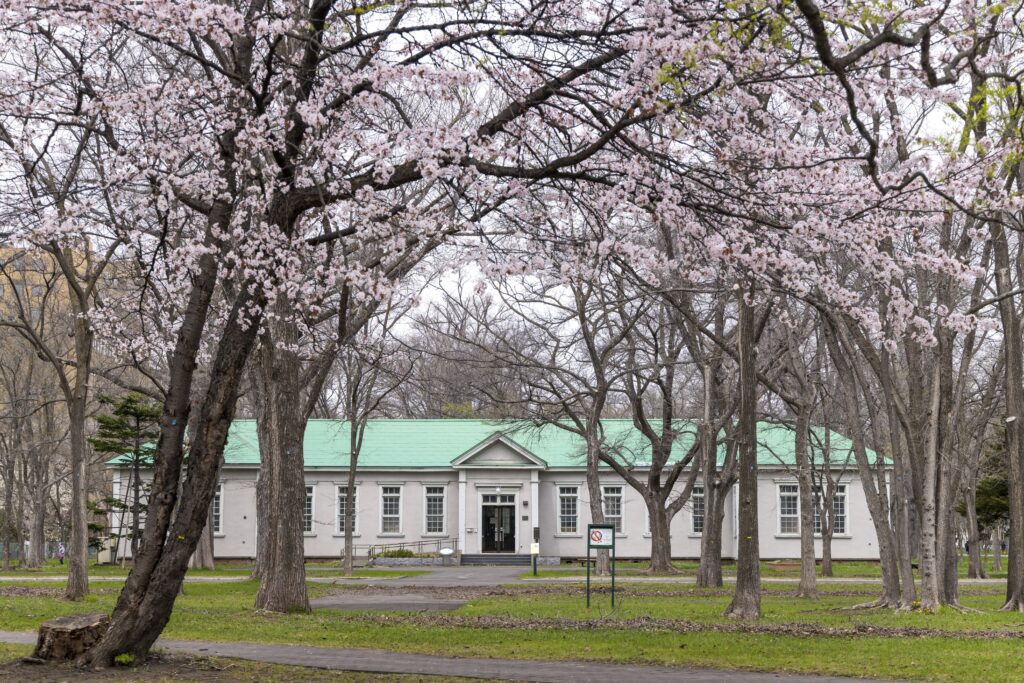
point(67, 638)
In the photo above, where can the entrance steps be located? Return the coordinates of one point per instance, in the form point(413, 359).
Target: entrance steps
point(496, 559)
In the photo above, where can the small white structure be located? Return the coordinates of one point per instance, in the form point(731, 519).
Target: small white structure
point(493, 487)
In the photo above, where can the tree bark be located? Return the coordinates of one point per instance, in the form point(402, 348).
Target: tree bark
point(1014, 385)
point(283, 577)
point(746, 602)
point(202, 558)
point(145, 604)
point(808, 587)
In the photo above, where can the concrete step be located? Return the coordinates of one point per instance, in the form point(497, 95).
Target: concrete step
point(496, 559)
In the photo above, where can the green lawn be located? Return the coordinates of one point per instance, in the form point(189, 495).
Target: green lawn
point(224, 612)
point(231, 568)
point(769, 569)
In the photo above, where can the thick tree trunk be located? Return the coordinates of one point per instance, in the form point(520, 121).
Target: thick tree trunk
point(661, 537)
point(283, 577)
point(709, 573)
point(1014, 401)
point(808, 587)
point(174, 524)
point(746, 602)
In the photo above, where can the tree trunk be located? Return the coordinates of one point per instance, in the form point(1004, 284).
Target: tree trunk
point(601, 563)
point(78, 547)
point(661, 537)
point(709, 573)
point(1014, 377)
point(808, 587)
point(929, 513)
point(283, 578)
point(850, 392)
point(174, 524)
point(746, 602)
point(975, 568)
point(37, 531)
point(350, 514)
point(997, 549)
point(202, 558)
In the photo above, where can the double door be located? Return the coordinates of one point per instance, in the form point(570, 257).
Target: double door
point(499, 525)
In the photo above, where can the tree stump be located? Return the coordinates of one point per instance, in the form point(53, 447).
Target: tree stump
point(67, 638)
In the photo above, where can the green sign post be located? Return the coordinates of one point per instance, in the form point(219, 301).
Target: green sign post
point(600, 537)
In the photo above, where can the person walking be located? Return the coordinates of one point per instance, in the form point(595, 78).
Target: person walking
point(60, 552)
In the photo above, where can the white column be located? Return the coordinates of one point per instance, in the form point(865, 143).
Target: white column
point(462, 511)
point(534, 501)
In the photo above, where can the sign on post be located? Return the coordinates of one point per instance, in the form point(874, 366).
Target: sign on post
point(601, 537)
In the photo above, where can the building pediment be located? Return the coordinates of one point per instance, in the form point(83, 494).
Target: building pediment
point(498, 452)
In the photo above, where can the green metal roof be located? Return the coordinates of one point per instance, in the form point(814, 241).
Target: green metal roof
point(418, 444)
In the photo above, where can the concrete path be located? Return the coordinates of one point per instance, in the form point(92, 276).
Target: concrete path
point(385, 661)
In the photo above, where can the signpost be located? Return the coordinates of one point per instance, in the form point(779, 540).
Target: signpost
point(534, 552)
point(600, 537)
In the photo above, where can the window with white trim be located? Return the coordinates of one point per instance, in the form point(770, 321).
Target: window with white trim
point(789, 509)
point(838, 510)
point(435, 509)
point(307, 511)
point(345, 509)
point(697, 509)
point(391, 509)
point(217, 511)
point(568, 504)
point(611, 503)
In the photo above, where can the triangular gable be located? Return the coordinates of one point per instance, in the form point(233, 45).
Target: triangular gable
point(499, 451)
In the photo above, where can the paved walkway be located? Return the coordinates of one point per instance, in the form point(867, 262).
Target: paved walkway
point(386, 661)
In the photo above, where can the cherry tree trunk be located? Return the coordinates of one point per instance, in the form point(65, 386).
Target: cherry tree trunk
point(808, 587)
point(283, 576)
point(1013, 370)
point(746, 601)
point(78, 546)
point(175, 522)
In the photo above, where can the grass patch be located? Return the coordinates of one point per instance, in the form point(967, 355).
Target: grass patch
point(841, 569)
point(223, 612)
point(226, 569)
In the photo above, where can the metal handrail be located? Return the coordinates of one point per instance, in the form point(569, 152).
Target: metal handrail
point(434, 545)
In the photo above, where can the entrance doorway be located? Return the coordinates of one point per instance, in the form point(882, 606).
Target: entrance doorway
point(499, 524)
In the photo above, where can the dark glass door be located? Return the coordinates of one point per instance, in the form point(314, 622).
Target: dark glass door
point(499, 529)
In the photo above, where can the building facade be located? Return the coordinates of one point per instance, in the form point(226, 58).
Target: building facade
point(493, 487)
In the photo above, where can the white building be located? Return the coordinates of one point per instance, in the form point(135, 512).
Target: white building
point(492, 487)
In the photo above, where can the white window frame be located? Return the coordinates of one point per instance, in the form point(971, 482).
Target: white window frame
point(558, 509)
point(311, 497)
point(354, 509)
point(217, 518)
point(444, 509)
point(380, 517)
point(841, 494)
point(693, 510)
point(620, 530)
point(779, 516)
